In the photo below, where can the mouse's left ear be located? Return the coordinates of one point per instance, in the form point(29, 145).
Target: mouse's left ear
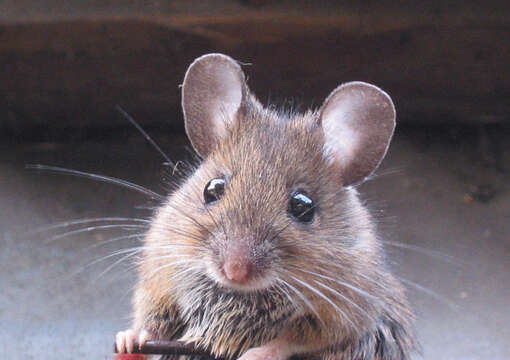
point(358, 120)
point(212, 92)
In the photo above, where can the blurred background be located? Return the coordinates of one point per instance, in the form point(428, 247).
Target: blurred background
point(441, 196)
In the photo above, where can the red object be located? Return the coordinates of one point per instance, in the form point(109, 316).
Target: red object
point(130, 357)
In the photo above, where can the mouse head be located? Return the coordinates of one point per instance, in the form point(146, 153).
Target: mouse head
point(357, 118)
point(273, 194)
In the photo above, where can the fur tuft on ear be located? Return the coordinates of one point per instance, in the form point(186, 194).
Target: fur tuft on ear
point(212, 92)
point(358, 120)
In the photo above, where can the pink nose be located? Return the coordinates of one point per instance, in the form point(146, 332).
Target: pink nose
point(237, 270)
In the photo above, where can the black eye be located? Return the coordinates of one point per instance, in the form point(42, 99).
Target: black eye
point(214, 190)
point(301, 207)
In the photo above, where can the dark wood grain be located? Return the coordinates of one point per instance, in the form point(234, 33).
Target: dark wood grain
point(67, 68)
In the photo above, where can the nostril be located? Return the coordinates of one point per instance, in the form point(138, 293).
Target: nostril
point(237, 270)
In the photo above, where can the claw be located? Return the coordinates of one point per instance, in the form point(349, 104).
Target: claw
point(120, 342)
point(125, 340)
point(130, 337)
point(143, 337)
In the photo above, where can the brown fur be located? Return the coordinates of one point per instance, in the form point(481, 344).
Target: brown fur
point(264, 157)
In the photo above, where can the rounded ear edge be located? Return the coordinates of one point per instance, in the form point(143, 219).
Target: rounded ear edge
point(377, 114)
point(195, 74)
point(349, 84)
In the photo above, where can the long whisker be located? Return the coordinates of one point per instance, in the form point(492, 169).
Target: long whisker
point(122, 259)
point(327, 299)
point(145, 135)
point(189, 217)
point(186, 270)
point(167, 232)
point(146, 207)
point(345, 284)
point(175, 274)
point(167, 265)
point(128, 250)
point(93, 228)
point(447, 258)
point(103, 178)
point(281, 288)
point(430, 293)
point(135, 249)
point(375, 282)
point(173, 256)
point(304, 299)
point(68, 223)
point(118, 238)
point(359, 308)
point(179, 256)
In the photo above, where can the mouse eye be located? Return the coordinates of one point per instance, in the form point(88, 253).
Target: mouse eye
point(214, 190)
point(301, 207)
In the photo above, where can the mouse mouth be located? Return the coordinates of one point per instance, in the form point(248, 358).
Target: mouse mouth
point(240, 278)
point(242, 263)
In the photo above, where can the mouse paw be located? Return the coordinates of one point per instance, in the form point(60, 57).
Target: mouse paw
point(125, 340)
point(265, 353)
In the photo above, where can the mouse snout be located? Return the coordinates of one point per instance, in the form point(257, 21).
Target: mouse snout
point(237, 270)
point(238, 265)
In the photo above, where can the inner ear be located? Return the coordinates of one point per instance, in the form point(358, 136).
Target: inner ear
point(212, 93)
point(358, 120)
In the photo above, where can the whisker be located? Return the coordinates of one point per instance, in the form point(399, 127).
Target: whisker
point(173, 256)
point(93, 228)
point(122, 259)
point(382, 173)
point(102, 178)
point(136, 249)
point(125, 251)
point(188, 216)
point(167, 230)
point(118, 238)
point(146, 207)
point(171, 264)
point(120, 252)
point(327, 299)
point(359, 308)
point(430, 293)
point(68, 223)
point(172, 247)
point(376, 283)
point(280, 288)
point(142, 131)
point(304, 299)
point(130, 251)
point(433, 253)
point(347, 285)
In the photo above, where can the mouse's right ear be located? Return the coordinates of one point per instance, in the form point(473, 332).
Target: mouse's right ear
point(212, 92)
point(358, 120)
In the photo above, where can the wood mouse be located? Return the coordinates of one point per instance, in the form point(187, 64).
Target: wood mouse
point(265, 251)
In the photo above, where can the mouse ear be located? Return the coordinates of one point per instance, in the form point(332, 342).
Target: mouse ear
point(358, 120)
point(212, 92)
